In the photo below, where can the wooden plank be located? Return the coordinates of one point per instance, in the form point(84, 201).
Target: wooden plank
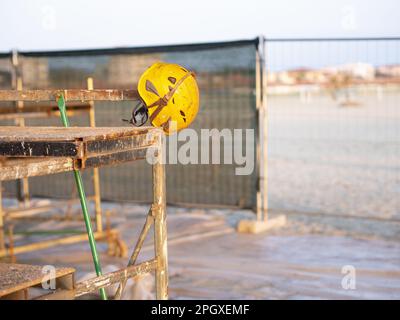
point(60, 241)
point(78, 143)
point(40, 148)
point(119, 144)
point(19, 213)
point(94, 146)
point(102, 281)
point(17, 277)
point(114, 158)
point(15, 134)
point(69, 95)
point(17, 168)
point(43, 108)
point(41, 114)
point(108, 279)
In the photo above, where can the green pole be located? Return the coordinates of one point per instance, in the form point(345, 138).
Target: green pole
point(82, 197)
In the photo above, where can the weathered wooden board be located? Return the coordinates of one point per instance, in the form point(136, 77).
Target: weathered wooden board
point(32, 211)
point(108, 279)
point(40, 148)
point(14, 133)
point(112, 233)
point(17, 168)
point(69, 95)
point(43, 108)
point(35, 151)
point(114, 158)
point(42, 111)
point(16, 277)
point(119, 144)
point(89, 147)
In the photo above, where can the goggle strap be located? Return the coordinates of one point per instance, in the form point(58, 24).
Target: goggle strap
point(164, 100)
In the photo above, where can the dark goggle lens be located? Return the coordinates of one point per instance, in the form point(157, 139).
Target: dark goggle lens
point(140, 115)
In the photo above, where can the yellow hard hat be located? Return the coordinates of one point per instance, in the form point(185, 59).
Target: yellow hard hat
point(171, 96)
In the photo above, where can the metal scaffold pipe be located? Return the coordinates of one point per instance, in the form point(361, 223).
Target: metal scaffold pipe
point(82, 197)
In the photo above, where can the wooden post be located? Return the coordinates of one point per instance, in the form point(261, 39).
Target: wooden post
point(96, 178)
point(160, 224)
point(13, 259)
point(136, 251)
point(23, 185)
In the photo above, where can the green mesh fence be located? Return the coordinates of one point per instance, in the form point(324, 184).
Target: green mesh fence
point(226, 76)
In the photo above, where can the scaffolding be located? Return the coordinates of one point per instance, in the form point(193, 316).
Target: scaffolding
point(35, 151)
point(26, 210)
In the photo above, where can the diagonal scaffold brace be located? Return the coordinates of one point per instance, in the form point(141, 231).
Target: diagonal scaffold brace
point(83, 200)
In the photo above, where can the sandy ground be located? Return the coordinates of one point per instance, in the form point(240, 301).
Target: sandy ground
point(328, 159)
point(208, 259)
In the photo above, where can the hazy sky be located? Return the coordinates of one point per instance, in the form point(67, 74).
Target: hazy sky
point(70, 24)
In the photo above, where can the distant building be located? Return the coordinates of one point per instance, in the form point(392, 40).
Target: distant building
point(310, 80)
point(389, 71)
point(358, 70)
point(272, 78)
point(285, 77)
point(296, 76)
